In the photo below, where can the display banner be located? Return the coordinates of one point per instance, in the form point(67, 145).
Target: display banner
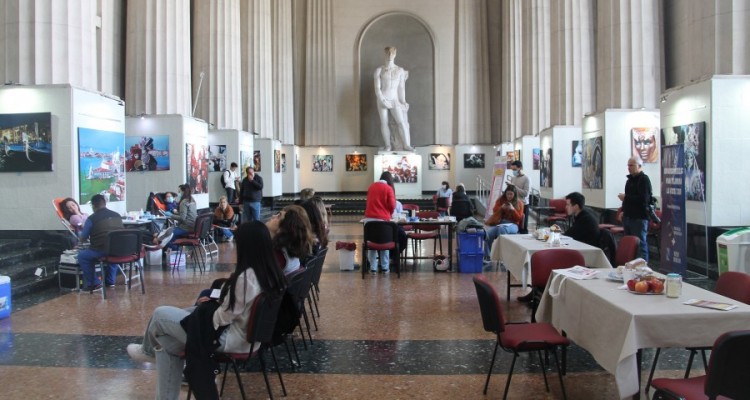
point(498, 183)
point(673, 222)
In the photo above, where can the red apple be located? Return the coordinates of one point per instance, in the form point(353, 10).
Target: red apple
point(641, 287)
point(631, 285)
point(650, 283)
point(657, 286)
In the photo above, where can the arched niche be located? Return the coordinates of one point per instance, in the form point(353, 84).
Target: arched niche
point(416, 54)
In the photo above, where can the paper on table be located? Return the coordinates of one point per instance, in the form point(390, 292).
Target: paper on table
point(710, 304)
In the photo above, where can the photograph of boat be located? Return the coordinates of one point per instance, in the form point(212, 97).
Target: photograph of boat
point(25, 142)
point(101, 164)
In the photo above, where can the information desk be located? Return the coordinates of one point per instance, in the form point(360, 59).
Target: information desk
point(613, 324)
point(516, 250)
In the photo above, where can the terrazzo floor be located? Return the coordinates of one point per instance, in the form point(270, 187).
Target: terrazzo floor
point(417, 337)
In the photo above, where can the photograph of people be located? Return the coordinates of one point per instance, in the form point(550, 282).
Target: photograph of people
point(645, 144)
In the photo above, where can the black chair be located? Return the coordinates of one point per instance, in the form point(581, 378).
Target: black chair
point(260, 328)
point(299, 288)
point(461, 209)
point(125, 248)
point(516, 338)
point(727, 375)
point(381, 235)
point(320, 258)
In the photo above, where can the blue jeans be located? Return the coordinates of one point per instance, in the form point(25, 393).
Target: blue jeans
point(177, 233)
point(385, 258)
point(637, 227)
point(230, 194)
point(491, 233)
point(251, 211)
point(87, 259)
point(225, 232)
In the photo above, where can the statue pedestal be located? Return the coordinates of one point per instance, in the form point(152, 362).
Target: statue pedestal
point(406, 168)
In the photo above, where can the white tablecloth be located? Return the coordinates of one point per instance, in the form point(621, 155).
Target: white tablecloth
point(612, 324)
point(516, 250)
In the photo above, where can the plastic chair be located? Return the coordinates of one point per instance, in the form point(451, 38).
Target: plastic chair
point(732, 284)
point(381, 236)
point(628, 249)
point(727, 374)
point(517, 338)
point(260, 326)
point(125, 248)
point(542, 264)
point(425, 232)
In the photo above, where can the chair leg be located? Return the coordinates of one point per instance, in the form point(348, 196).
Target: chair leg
point(265, 375)
point(690, 363)
point(224, 379)
point(278, 371)
point(312, 312)
point(544, 370)
point(560, 372)
point(302, 335)
point(510, 375)
point(315, 298)
point(239, 380)
point(296, 354)
point(492, 364)
point(653, 368)
point(307, 324)
point(141, 278)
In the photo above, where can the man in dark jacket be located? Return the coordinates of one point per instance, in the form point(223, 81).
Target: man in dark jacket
point(635, 202)
point(585, 227)
point(251, 193)
point(97, 229)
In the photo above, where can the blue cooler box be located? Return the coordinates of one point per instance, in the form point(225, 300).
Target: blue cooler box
point(471, 243)
point(4, 296)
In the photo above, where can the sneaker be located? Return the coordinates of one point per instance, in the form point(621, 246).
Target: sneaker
point(386, 271)
point(373, 271)
point(92, 288)
point(110, 285)
point(527, 298)
point(135, 351)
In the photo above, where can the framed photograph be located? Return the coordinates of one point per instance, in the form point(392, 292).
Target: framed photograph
point(356, 162)
point(322, 163)
point(509, 158)
point(256, 160)
point(474, 160)
point(26, 142)
point(577, 153)
point(217, 158)
point(283, 162)
point(545, 173)
point(277, 161)
point(537, 154)
point(404, 169)
point(593, 163)
point(246, 161)
point(645, 144)
point(693, 138)
point(439, 161)
point(101, 164)
point(147, 153)
point(196, 157)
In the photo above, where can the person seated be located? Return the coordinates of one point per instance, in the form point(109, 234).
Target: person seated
point(187, 213)
point(169, 202)
point(306, 194)
point(97, 229)
point(292, 237)
point(460, 197)
point(72, 212)
point(320, 236)
point(585, 226)
point(318, 201)
point(165, 338)
point(224, 219)
point(506, 218)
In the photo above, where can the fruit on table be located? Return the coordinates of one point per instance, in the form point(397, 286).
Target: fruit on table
point(646, 284)
point(631, 285)
point(641, 287)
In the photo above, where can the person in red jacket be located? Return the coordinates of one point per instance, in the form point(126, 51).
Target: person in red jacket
point(381, 201)
point(506, 218)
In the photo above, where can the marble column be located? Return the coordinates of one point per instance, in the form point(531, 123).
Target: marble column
point(473, 101)
point(111, 68)
point(48, 42)
point(216, 53)
point(320, 76)
point(157, 71)
point(536, 62)
point(283, 79)
point(572, 65)
point(257, 67)
point(629, 63)
point(512, 69)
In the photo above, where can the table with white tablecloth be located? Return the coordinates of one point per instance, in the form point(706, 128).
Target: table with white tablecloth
point(515, 252)
point(613, 324)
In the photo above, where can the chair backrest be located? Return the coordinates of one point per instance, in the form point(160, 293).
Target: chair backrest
point(203, 225)
point(489, 305)
point(628, 249)
point(608, 244)
point(299, 287)
point(428, 215)
point(728, 368)
point(316, 263)
point(735, 285)
point(544, 261)
point(442, 202)
point(56, 203)
point(412, 207)
point(262, 321)
point(558, 205)
point(124, 243)
point(381, 232)
point(461, 209)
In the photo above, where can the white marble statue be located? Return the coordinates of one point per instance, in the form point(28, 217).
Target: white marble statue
point(390, 82)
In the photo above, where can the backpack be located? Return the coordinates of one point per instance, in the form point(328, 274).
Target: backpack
point(223, 183)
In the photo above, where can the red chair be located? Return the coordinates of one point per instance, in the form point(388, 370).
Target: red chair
point(618, 219)
point(542, 264)
point(618, 229)
point(195, 241)
point(726, 377)
point(425, 232)
point(732, 284)
point(442, 204)
point(559, 215)
point(628, 249)
point(517, 338)
point(380, 235)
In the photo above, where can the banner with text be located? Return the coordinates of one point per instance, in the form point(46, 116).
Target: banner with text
point(673, 222)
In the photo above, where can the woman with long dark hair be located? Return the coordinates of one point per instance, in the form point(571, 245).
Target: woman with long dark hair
point(72, 212)
point(256, 272)
point(506, 218)
point(317, 225)
point(187, 213)
point(292, 237)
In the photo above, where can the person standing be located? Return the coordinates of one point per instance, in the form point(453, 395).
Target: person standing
point(231, 178)
point(585, 226)
point(635, 202)
point(97, 228)
point(381, 202)
point(523, 189)
point(251, 193)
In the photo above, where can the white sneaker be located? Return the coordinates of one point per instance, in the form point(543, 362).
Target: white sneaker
point(135, 351)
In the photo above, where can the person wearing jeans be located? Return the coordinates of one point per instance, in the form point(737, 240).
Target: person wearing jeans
point(251, 193)
point(381, 203)
point(635, 202)
point(96, 229)
point(507, 216)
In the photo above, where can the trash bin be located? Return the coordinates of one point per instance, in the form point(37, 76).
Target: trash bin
point(346, 255)
point(733, 251)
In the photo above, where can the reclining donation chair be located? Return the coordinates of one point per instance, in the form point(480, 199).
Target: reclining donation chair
point(56, 203)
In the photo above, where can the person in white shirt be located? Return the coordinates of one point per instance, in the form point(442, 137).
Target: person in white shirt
point(231, 177)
